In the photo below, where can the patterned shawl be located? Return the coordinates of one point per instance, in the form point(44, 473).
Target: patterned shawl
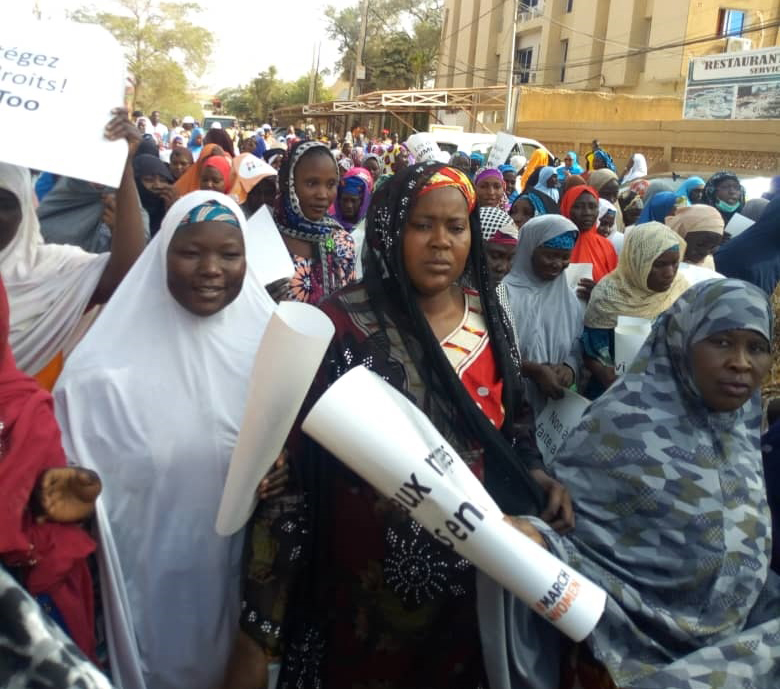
point(672, 518)
point(338, 258)
point(624, 292)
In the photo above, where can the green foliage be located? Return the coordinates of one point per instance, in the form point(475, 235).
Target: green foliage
point(402, 42)
point(266, 92)
point(158, 39)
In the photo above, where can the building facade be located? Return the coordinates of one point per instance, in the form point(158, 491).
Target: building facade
point(633, 47)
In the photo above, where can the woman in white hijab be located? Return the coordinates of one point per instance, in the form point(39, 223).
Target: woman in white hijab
point(51, 286)
point(635, 169)
point(152, 399)
point(548, 183)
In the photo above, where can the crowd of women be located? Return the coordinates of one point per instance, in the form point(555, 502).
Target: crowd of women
point(449, 280)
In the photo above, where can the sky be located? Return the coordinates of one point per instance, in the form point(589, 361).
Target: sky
point(249, 35)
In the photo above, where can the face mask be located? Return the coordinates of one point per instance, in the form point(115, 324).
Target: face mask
point(726, 207)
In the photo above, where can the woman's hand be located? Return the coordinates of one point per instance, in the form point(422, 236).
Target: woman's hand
point(527, 529)
point(169, 195)
point(278, 289)
point(275, 482)
point(559, 513)
point(564, 375)
point(546, 379)
point(584, 288)
point(120, 127)
point(66, 494)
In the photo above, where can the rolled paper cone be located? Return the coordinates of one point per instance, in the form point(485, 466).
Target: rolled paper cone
point(292, 348)
point(390, 443)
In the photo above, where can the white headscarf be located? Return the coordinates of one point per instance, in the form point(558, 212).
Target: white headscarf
point(152, 399)
point(547, 314)
point(49, 285)
point(541, 186)
point(638, 168)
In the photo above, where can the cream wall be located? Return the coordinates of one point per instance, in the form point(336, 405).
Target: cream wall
point(479, 54)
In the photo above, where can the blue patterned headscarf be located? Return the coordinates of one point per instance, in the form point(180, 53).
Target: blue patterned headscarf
point(565, 240)
point(211, 211)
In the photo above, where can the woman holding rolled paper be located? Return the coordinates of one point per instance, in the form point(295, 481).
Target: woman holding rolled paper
point(152, 399)
point(672, 517)
point(342, 587)
point(644, 284)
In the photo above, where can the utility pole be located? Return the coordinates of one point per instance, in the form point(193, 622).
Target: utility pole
point(359, 71)
point(312, 75)
point(509, 125)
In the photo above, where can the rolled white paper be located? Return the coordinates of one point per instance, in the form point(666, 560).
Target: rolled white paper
point(576, 271)
point(556, 421)
point(630, 335)
point(390, 443)
point(272, 259)
point(286, 362)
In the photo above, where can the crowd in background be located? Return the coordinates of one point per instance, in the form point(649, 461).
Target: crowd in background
point(130, 318)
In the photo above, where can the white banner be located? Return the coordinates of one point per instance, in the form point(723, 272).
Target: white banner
point(286, 362)
point(501, 149)
point(54, 77)
point(393, 446)
point(630, 335)
point(272, 257)
point(423, 147)
point(556, 421)
point(740, 65)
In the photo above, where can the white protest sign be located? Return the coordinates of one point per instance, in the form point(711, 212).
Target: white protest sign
point(556, 421)
point(738, 224)
point(630, 335)
point(58, 73)
point(294, 341)
point(576, 272)
point(423, 147)
point(272, 259)
point(393, 446)
point(501, 149)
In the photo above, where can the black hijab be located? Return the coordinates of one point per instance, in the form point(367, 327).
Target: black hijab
point(149, 165)
point(391, 293)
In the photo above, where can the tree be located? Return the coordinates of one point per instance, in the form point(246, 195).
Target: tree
point(160, 44)
point(266, 92)
point(401, 58)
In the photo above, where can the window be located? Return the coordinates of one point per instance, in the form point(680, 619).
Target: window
point(569, 5)
point(731, 22)
point(564, 55)
point(523, 58)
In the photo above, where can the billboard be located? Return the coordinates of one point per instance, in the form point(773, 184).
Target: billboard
point(734, 86)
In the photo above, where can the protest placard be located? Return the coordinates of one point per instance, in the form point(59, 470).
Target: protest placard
point(394, 447)
point(630, 335)
point(501, 149)
point(53, 74)
point(576, 271)
point(423, 147)
point(738, 224)
point(295, 340)
point(556, 421)
point(265, 244)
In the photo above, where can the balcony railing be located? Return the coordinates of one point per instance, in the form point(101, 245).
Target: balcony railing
point(529, 9)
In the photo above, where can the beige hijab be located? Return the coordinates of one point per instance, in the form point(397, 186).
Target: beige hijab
point(597, 179)
point(697, 218)
point(624, 291)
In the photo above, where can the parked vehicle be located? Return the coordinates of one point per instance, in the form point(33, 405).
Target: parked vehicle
point(452, 140)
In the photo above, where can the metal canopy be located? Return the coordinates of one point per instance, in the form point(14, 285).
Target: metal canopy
point(489, 98)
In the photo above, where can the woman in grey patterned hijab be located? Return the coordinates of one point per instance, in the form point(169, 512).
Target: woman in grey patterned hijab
point(672, 519)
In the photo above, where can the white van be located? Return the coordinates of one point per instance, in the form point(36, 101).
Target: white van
point(451, 139)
